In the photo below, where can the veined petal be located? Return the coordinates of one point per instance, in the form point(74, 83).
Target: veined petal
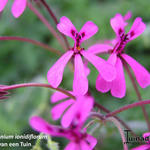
point(41, 125)
point(55, 73)
point(58, 110)
point(66, 27)
point(3, 4)
point(84, 145)
point(142, 147)
point(92, 141)
point(106, 70)
point(88, 30)
point(118, 24)
point(141, 74)
point(118, 87)
point(58, 96)
point(99, 48)
point(80, 82)
point(137, 28)
point(102, 85)
point(72, 146)
point(18, 7)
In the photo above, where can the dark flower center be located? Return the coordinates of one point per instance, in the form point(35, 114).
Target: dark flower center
point(77, 38)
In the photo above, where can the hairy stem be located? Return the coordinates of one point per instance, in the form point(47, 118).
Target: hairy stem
point(121, 121)
point(45, 46)
point(141, 103)
point(118, 125)
point(55, 20)
point(47, 24)
point(15, 86)
point(137, 93)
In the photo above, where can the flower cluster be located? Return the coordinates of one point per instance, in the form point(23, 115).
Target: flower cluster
point(74, 113)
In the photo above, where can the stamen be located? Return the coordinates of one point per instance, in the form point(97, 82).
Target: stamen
point(78, 48)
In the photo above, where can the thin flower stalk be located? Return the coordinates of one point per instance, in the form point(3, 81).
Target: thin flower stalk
point(55, 20)
point(45, 46)
point(15, 86)
point(127, 107)
point(47, 24)
point(121, 121)
point(118, 125)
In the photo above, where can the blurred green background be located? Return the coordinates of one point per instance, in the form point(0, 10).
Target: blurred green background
point(23, 62)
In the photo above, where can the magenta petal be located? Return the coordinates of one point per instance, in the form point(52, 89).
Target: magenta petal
point(58, 96)
point(118, 24)
point(87, 70)
point(78, 112)
point(88, 30)
point(106, 70)
point(55, 73)
point(41, 125)
point(128, 15)
point(68, 116)
point(84, 106)
point(137, 28)
point(99, 48)
point(102, 85)
point(3, 4)
point(146, 134)
point(142, 147)
point(112, 59)
point(72, 146)
point(92, 141)
point(118, 87)
point(141, 74)
point(80, 82)
point(18, 7)
point(66, 27)
point(58, 110)
point(84, 145)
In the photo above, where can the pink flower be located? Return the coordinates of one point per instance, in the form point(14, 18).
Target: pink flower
point(18, 7)
point(145, 146)
point(118, 86)
point(80, 82)
point(79, 139)
point(76, 110)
